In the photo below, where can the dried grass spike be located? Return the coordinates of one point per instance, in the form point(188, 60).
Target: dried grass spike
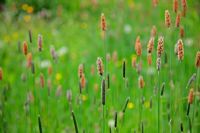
point(40, 42)
point(182, 32)
point(103, 22)
point(50, 70)
point(25, 48)
point(180, 50)
point(138, 46)
point(178, 19)
point(150, 45)
point(29, 60)
point(184, 7)
point(197, 62)
point(154, 3)
point(175, 6)
point(80, 70)
point(160, 47)
point(1, 73)
point(191, 96)
point(141, 82)
point(100, 66)
point(42, 80)
point(83, 81)
point(149, 59)
point(167, 19)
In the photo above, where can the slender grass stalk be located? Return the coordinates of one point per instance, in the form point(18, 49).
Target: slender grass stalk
point(124, 108)
point(103, 86)
point(39, 124)
point(75, 123)
point(158, 98)
point(170, 78)
point(116, 122)
point(125, 105)
point(103, 30)
point(181, 127)
point(103, 123)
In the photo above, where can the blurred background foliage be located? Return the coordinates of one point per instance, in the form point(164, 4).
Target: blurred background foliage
point(72, 28)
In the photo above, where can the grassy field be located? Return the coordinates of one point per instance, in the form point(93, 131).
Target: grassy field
point(72, 35)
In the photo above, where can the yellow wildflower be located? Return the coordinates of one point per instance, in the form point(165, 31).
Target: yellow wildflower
point(58, 76)
point(29, 9)
point(25, 6)
point(147, 104)
point(27, 18)
point(130, 105)
point(84, 97)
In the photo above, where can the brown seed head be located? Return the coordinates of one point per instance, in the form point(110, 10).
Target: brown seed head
point(49, 85)
point(40, 42)
point(139, 67)
point(175, 6)
point(160, 47)
point(82, 81)
point(42, 80)
point(29, 60)
point(138, 46)
point(191, 96)
point(167, 19)
point(197, 63)
point(178, 19)
point(100, 66)
point(155, 3)
point(1, 74)
point(150, 45)
point(184, 7)
point(180, 50)
point(80, 70)
point(141, 82)
point(149, 59)
point(182, 32)
point(25, 48)
point(103, 22)
point(50, 70)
